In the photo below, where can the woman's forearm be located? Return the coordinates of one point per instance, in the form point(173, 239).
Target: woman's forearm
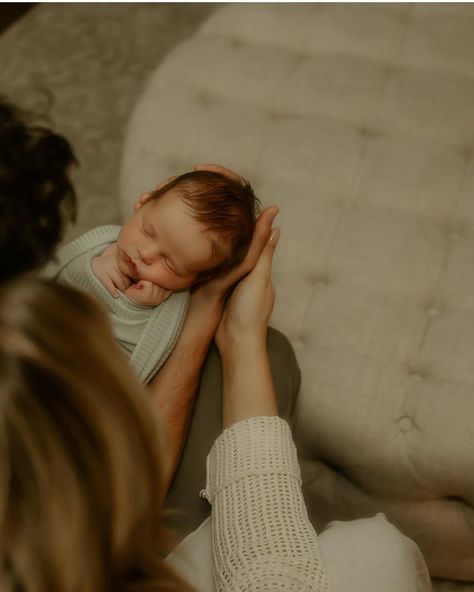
point(174, 387)
point(248, 384)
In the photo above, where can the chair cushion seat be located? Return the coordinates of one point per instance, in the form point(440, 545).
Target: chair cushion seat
point(357, 121)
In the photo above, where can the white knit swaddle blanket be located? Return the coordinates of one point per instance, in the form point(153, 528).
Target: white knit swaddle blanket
point(146, 334)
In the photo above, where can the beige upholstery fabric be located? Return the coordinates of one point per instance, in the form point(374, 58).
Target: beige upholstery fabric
point(358, 121)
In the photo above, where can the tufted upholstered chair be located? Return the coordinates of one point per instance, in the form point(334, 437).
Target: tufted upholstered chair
point(358, 121)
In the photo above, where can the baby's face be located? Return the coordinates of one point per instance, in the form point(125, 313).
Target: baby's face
point(164, 244)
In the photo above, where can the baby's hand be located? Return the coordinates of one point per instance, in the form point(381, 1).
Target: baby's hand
point(106, 270)
point(147, 294)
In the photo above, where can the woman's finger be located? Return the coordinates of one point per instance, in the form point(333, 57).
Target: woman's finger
point(147, 194)
point(165, 182)
point(263, 228)
point(260, 237)
point(264, 263)
point(142, 198)
point(217, 168)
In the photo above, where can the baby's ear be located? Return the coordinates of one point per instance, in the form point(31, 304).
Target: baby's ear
point(143, 198)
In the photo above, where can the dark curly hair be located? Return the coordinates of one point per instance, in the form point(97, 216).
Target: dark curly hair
point(36, 193)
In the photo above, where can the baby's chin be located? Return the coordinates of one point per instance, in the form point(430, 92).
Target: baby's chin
point(171, 287)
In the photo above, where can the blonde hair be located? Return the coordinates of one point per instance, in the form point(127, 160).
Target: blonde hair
point(80, 455)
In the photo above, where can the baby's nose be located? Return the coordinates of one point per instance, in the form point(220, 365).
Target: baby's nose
point(148, 254)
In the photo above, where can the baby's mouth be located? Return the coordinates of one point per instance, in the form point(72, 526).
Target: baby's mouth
point(131, 265)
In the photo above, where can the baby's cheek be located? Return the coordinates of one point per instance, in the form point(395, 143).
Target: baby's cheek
point(155, 276)
point(123, 268)
point(159, 279)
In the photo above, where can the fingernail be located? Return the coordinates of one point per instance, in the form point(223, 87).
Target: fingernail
point(274, 235)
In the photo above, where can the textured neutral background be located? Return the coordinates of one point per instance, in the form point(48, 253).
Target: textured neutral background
point(85, 65)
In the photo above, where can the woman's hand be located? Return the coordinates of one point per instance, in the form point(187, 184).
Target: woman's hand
point(208, 299)
point(263, 227)
point(145, 196)
point(220, 286)
point(218, 168)
point(248, 309)
point(241, 338)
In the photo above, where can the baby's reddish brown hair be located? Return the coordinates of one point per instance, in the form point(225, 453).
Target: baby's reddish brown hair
point(226, 207)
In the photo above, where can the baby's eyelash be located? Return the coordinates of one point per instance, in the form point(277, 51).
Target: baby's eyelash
point(168, 266)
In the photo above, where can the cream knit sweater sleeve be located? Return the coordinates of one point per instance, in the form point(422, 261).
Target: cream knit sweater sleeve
point(261, 535)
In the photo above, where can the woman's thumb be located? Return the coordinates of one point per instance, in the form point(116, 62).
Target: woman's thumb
point(264, 264)
point(274, 236)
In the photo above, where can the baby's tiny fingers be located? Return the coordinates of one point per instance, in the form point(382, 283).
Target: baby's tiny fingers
point(119, 281)
point(146, 287)
point(110, 286)
point(162, 294)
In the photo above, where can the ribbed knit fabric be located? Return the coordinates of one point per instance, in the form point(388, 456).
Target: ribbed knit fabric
point(262, 538)
point(146, 334)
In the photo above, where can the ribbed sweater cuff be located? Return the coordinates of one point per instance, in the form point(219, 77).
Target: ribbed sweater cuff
point(254, 446)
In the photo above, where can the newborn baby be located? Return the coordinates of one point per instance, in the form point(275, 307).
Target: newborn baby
point(193, 228)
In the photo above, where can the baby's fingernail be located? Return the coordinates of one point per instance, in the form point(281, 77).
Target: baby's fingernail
point(116, 294)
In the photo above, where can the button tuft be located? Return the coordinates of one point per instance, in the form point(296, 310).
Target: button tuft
point(205, 98)
point(299, 344)
point(405, 424)
point(369, 132)
point(320, 279)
